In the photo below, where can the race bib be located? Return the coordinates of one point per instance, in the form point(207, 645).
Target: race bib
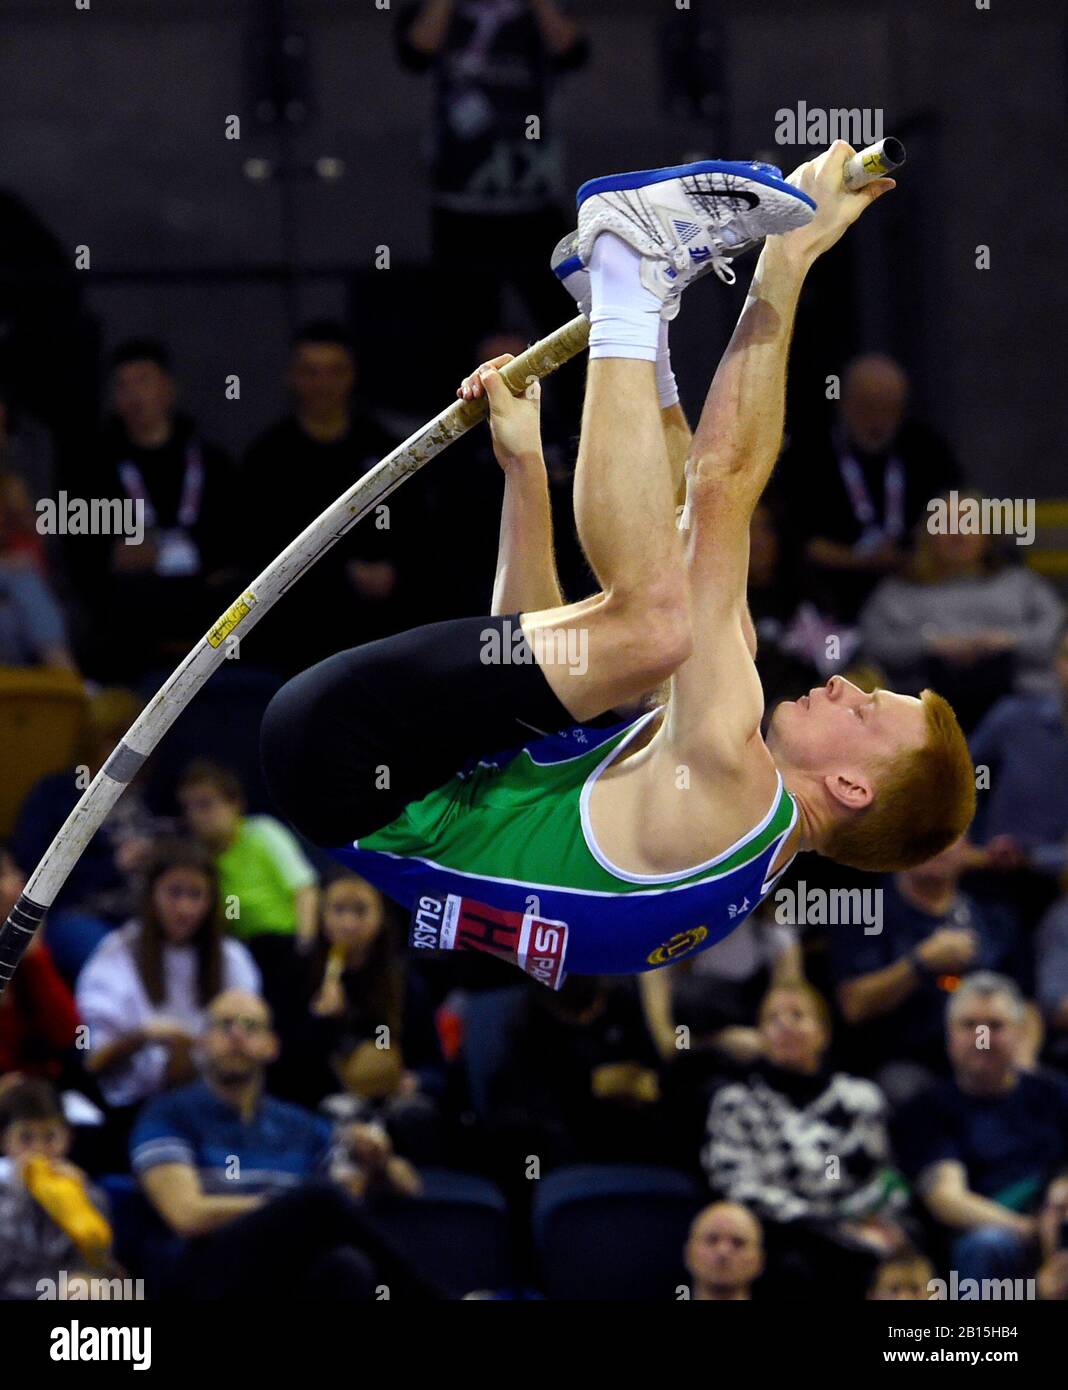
point(448, 922)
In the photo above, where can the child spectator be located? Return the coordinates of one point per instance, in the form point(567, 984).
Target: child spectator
point(144, 990)
point(50, 1218)
point(905, 1277)
point(37, 1013)
point(267, 884)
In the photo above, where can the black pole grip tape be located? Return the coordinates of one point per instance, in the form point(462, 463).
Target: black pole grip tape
point(16, 934)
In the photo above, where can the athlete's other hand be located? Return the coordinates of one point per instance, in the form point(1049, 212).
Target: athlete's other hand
point(837, 207)
point(515, 421)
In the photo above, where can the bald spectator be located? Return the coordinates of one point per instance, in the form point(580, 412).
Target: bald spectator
point(264, 1194)
point(856, 493)
point(724, 1253)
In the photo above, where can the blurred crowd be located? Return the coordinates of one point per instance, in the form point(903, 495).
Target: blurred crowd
point(219, 1068)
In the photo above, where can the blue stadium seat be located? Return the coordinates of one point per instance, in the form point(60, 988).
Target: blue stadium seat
point(491, 1017)
point(613, 1232)
point(456, 1233)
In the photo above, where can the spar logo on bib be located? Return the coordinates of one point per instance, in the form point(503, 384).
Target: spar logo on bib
point(681, 944)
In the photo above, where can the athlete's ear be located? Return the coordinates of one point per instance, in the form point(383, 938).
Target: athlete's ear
point(851, 790)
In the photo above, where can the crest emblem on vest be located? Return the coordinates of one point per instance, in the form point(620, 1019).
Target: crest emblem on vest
point(681, 944)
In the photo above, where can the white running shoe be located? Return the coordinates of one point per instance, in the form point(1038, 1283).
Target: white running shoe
point(684, 220)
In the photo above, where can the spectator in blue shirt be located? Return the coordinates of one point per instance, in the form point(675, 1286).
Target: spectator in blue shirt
point(1022, 821)
point(981, 1147)
point(892, 985)
point(261, 1191)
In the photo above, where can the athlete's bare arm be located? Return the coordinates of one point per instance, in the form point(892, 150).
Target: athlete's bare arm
point(716, 700)
point(526, 575)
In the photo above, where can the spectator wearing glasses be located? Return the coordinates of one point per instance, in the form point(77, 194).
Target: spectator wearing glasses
point(264, 1194)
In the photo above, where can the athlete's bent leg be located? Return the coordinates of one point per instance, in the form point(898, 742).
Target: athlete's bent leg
point(347, 744)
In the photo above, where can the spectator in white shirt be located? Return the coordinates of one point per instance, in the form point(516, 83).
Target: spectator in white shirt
point(144, 991)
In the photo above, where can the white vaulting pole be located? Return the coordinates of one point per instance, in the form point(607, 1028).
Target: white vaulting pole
point(261, 595)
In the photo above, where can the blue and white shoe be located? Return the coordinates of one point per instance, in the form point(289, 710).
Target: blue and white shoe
point(573, 273)
point(687, 219)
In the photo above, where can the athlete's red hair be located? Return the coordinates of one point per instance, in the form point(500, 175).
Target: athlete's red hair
point(924, 800)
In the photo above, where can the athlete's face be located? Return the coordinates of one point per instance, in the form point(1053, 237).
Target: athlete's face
point(840, 731)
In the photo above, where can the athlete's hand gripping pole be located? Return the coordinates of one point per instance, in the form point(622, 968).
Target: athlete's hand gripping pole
point(169, 701)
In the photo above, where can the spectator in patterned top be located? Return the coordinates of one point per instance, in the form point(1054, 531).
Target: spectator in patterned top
point(808, 1151)
point(259, 1190)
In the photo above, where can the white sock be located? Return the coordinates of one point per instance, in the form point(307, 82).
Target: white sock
point(666, 386)
point(624, 315)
